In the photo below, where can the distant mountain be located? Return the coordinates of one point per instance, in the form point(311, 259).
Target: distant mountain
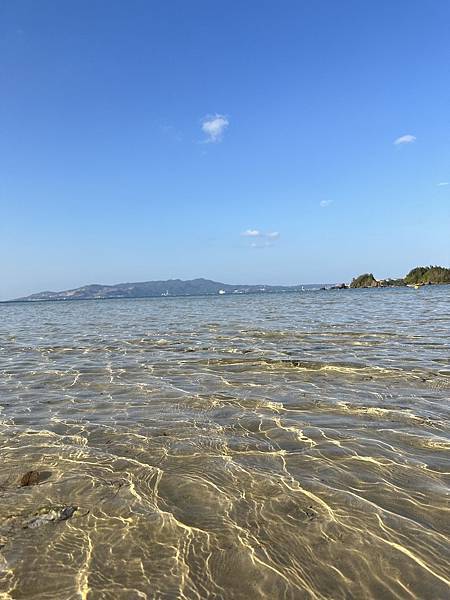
point(148, 289)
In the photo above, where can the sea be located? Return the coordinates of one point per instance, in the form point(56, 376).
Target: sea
point(273, 446)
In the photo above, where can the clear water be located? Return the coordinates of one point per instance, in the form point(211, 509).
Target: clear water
point(272, 446)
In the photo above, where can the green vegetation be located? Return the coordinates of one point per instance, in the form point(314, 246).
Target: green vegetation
point(417, 276)
point(392, 282)
point(365, 280)
point(424, 275)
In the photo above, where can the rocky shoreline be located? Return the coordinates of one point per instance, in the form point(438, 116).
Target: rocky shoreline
point(417, 277)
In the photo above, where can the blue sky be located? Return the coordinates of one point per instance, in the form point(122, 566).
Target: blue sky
point(247, 142)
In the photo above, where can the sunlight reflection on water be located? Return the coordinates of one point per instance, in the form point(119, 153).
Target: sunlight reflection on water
point(270, 446)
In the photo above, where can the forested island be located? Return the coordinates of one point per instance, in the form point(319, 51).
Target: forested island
point(416, 277)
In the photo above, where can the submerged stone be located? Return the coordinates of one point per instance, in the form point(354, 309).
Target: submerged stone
point(50, 515)
point(33, 478)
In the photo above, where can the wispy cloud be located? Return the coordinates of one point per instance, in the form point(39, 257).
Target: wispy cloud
point(325, 203)
point(214, 126)
point(261, 239)
point(273, 235)
point(442, 183)
point(405, 139)
point(251, 233)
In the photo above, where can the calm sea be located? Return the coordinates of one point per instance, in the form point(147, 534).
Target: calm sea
point(281, 446)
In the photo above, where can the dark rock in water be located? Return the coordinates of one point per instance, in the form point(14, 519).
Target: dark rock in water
point(33, 478)
point(341, 286)
point(50, 515)
point(29, 478)
point(67, 512)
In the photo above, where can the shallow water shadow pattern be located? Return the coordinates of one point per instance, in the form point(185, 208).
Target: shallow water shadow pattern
point(281, 447)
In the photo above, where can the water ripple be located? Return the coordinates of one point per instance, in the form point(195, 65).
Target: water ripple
point(279, 447)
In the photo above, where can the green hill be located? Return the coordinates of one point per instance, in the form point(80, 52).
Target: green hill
point(424, 275)
point(366, 280)
point(417, 276)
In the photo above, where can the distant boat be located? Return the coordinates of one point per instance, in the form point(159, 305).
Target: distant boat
point(416, 286)
point(221, 292)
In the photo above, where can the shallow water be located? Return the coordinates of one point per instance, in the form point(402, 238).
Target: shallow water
point(272, 446)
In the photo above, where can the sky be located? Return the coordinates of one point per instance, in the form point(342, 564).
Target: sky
point(280, 142)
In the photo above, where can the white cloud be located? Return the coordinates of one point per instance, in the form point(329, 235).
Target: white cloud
point(272, 235)
point(213, 126)
point(324, 203)
point(405, 139)
point(442, 183)
point(261, 239)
